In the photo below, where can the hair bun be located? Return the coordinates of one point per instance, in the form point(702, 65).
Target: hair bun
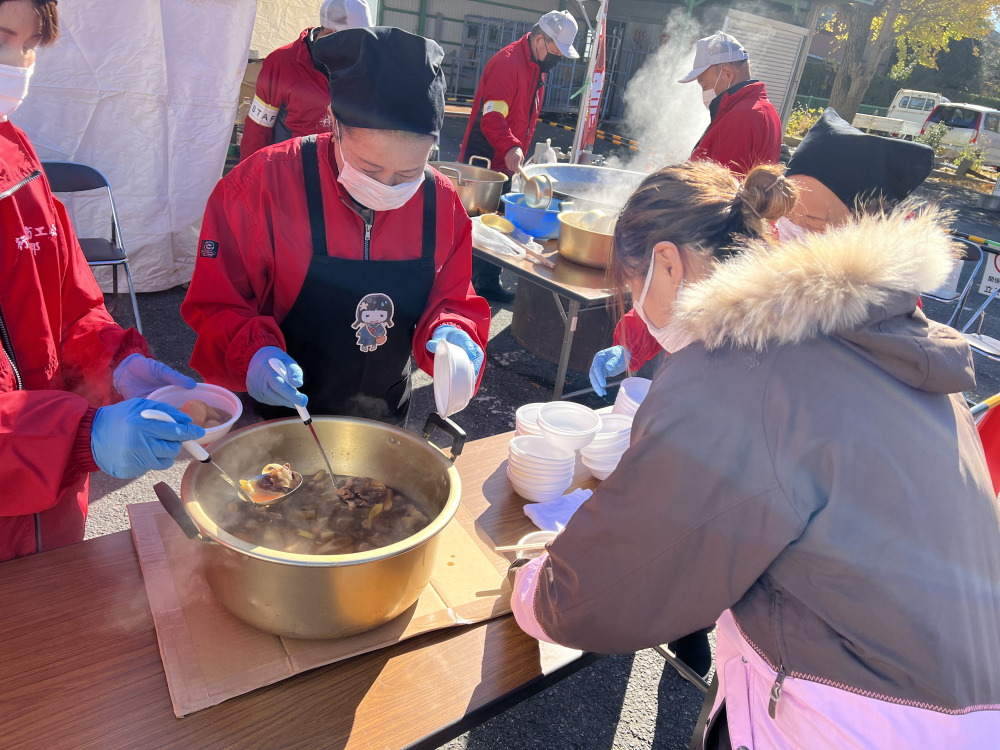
point(766, 195)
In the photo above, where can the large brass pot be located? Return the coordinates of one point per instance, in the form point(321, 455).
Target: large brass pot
point(319, 596)
point(479, 189)
point(583, 246)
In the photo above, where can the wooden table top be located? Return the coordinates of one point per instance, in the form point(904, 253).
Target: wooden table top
point(571, 280)
point(80, 665)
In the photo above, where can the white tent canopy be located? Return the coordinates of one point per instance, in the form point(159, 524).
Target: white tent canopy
point(146, 93)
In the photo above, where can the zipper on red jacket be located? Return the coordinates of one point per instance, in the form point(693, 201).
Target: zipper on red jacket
point(368, 236)
point(8, 350)
point(11, 190)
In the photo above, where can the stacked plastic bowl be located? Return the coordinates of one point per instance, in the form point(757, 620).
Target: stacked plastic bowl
point(601, 457)
point(568, 425)
point(539, 470)
point(630, 395)
point(526, 420)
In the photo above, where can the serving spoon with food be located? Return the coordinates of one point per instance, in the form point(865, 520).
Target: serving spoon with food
point(257, 495)
point(279, 367)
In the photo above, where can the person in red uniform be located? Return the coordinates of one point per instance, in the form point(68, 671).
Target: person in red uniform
point(745, 132)
point(64, 362)
point(745, 129)
point(292, 94)
point(508, 99)
point(341, 254)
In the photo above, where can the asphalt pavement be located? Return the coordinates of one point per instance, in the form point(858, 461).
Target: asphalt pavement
point(629, 701)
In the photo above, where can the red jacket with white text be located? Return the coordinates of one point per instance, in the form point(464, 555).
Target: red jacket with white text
point(59, 348)
point(258, 218)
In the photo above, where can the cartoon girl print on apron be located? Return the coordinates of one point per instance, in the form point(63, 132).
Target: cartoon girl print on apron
point(372, 319)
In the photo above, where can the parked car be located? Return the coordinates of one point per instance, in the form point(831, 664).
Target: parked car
point(969, 123)
point(907, 114)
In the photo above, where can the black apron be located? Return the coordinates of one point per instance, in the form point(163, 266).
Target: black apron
point(352, 325)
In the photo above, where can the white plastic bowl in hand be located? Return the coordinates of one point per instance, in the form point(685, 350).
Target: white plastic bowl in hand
point(568, 425)
point(454, 378)
point(213, 395)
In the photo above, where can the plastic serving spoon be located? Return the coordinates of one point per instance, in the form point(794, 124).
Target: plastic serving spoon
point(279, 367)
point(200, 454)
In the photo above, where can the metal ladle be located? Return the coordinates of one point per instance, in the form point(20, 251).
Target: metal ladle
point(200, 454)
point(279, 367)
point(537, 190)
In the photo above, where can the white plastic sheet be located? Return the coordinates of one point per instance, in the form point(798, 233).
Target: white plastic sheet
point(145, 92)
point(280, 22)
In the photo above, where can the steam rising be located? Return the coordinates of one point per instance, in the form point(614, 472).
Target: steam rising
point(667, 118)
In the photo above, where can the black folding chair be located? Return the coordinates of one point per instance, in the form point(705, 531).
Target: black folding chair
point(972, 253)
point(66, 177)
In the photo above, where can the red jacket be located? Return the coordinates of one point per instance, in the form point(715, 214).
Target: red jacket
point(257, 217)
point(508, 98)
point(291, 97)
point(65, 346)
point(745, 131)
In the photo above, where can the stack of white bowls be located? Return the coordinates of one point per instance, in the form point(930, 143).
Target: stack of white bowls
point(539, 470)
point(526, 419)
point(601, 457)
point(568, 425)
point(630, 395)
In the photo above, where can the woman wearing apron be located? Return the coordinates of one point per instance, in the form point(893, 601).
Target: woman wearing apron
point(343, 253)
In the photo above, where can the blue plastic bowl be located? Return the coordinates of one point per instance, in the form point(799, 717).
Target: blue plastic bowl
point(540, 224)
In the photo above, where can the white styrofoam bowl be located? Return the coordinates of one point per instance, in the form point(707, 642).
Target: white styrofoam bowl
point(213, 395)
point(526, 419)
point(454, 378)
point(535, 537)
point(568, 425)
point(537, 447)
point(531, 493)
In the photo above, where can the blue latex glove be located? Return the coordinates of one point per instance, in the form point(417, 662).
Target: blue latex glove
point(137, 376)
point(266, 386)
point(462, 340)
point(126, 445)
point(611, 361)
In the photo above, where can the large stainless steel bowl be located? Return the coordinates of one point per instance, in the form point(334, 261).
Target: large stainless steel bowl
point(478, 188)
point(589, 187)
point(318, 596)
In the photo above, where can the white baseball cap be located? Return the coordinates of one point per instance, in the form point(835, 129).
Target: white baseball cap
point(562, 28)
point(714, 50)
point(338, 15)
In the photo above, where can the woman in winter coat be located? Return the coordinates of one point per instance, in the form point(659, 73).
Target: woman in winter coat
point(804, 473)
point(65, 364)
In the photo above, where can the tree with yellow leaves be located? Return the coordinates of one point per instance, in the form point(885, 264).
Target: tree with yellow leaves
point(918, 28)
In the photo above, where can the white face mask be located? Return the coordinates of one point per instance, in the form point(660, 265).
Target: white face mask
point(708, 95)
point(13, 88)
point(672, 337)
point(789, 230)
point(371, 193)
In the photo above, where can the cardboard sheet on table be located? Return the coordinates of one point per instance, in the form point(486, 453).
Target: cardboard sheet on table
point(210, 656)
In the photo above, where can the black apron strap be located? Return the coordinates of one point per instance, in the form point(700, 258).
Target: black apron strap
point(430, 219)
point(314, 194)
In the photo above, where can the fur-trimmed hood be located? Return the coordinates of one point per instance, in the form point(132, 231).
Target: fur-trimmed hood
point(858, 284)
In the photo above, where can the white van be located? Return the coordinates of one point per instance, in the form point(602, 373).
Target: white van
point(906, 115)
point(969, 123)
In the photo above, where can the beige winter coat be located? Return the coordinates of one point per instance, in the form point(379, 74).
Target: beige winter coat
point(810, 464)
